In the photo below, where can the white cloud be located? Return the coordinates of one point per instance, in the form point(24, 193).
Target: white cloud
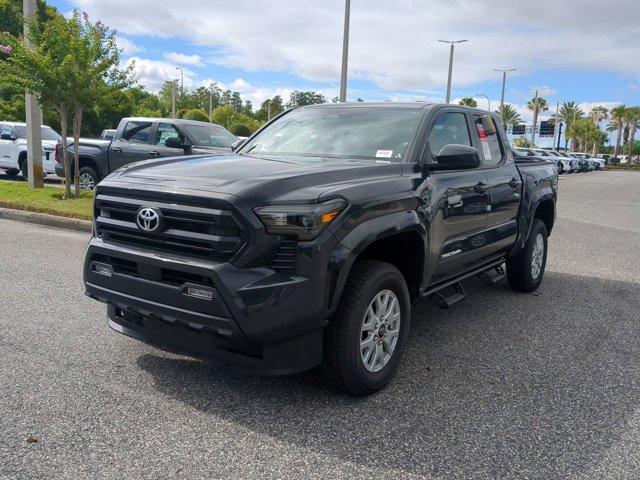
point(154, 73)
point(395, 43)
point(183, 59)
point(128, 47)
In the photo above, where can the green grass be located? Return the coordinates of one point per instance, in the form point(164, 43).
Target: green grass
point(45, 200)
point(624, 166)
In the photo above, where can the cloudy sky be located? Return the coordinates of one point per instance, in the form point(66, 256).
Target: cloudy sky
point(582, 50)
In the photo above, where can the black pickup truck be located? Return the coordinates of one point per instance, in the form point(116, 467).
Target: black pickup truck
point(138, 139)
point(311, 241)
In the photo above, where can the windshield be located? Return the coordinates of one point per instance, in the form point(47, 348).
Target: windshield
point(210, 135)
point(48, 133)
point(542, 153)
point(375, 133)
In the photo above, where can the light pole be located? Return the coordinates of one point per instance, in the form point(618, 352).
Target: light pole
point(555, 124)
point(33, 116)
point(173, 99)
point(485, 96)
point(345, 52)
point(181, 79)
point(504, 82)
point(452, 43)
point(535, 115)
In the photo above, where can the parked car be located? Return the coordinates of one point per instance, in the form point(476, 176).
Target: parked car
point(13, 148)
point(581, 164)
point(108, 134)
point(139, 139)
point(567, 163)
point(523, 155)
point(310, 242)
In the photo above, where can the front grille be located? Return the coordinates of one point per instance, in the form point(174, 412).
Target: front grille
point(188, 229)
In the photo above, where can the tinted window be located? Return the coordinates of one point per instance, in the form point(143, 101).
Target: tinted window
point(369, 133)
point(47, 133)
point(488, 141)
point(449, 128)
point(5, 129)
point(165, 131)
point(210, 136)
point(137, 132)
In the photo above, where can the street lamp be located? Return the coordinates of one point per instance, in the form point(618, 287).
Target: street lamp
point(452, 43)
point(345, 52)
point(504, 81)
point(485, 96)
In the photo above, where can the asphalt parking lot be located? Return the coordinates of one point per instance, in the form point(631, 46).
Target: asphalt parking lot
point(503, 385)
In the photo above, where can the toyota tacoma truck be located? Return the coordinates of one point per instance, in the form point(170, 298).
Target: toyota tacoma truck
point(309, 243)
point(138, 139)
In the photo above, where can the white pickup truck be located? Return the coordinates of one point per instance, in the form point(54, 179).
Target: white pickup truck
point(13, 148)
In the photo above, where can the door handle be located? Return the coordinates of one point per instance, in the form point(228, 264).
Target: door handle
point(154, 153)
point(480, 187)
point(514, 183)
point(116, 149)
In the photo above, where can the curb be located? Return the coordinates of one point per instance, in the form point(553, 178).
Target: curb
point(46, 219)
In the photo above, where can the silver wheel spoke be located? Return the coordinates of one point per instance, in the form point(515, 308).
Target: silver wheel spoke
point(380, 330)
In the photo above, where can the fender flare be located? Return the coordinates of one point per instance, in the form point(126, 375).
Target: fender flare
point(527, 217)
point(345, 253)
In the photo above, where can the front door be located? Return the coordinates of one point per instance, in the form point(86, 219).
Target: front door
point(8, 156)
point(164, 131)
point(457, 201)
point(130, 146)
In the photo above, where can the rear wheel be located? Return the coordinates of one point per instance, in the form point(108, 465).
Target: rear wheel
point(24, 168)
point(88, 178)
point(526, 269)
point(364, 339)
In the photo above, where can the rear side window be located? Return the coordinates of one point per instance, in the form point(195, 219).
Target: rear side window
point(488, 140)
point(137, 132)
point(166, 131)
point(449, 128)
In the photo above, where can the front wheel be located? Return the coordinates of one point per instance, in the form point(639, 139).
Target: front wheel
point(364, 339)
point(12, 172)
point(526, 269)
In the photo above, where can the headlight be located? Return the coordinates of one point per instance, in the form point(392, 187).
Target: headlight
point(304, 221)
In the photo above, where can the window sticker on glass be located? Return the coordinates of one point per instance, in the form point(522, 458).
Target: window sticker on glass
point(384, 153)
point(483, 140)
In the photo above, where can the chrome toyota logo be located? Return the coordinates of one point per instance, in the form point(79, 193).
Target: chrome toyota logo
point(148, 219)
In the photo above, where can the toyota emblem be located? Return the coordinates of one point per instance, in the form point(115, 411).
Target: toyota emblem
point(148, 219)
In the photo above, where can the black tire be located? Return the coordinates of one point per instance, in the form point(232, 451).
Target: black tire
point(520, 270)
point(88, 171)
point(343, 363)
point(12, 172)
point(24, 168)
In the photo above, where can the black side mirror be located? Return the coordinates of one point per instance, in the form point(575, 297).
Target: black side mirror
point(456, 157)
point(173, 142)
point(8, 136)
point(237, 144)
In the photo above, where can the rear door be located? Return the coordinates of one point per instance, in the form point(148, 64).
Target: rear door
point(131, 144)
point(505, 184)
point(457, 200)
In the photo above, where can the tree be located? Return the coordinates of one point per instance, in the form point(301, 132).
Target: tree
point(196, 114)
point(568, 112)
point(226, 116)
point(584, 134)
point(299, 99)
point(598, 113)
point(73, 65)
point(270, 108)
point(633, 117)
point(618, 120)
point(509, 116)
point(468, 102)
point(540, 102)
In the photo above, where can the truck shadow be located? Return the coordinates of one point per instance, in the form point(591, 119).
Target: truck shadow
point(503, 384)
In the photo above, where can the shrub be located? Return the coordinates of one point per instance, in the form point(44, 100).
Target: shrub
point(241, 129)
point(196, 114)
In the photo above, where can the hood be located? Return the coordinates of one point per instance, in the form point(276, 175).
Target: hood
point(255, 179)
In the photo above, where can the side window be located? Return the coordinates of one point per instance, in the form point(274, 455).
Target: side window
point(165, 131)
point(449, 128)
point(137, 132)
point(5, 129)
point(488, 140)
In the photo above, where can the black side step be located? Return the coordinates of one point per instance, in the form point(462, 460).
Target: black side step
point(493, 275)
point(448, 296)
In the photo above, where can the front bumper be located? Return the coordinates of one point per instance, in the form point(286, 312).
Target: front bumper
point(252, 318)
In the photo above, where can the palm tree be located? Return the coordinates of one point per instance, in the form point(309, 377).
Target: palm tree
point(598, 113)
point(468, 102)
point(568, 112)
point(510, 115)
point(633, 118)
point(618, 119)
point(541, 102)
